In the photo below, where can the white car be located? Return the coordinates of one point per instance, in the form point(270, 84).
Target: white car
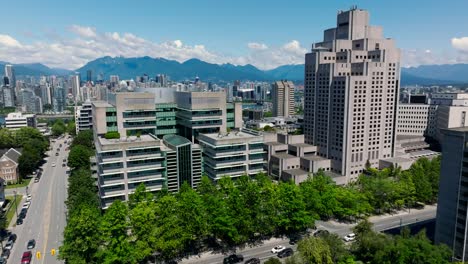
point(277, 249)
point(53, 164)
point(28, 199)
point(26, 205)
point(349, 237)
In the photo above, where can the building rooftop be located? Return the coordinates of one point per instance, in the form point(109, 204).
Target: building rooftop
point(313, 158)
point(124, 140)
point(231, 135)
point(102, 104)
point(302, 145)
point(284, 156)
point(176, 140)
point(294, 172)
point(274, 143)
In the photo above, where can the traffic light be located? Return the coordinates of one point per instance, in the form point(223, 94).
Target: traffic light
point(38, 255)
point(52, 252)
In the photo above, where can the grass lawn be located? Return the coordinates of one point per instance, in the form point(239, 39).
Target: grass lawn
point(23, 184)
point(11, 212)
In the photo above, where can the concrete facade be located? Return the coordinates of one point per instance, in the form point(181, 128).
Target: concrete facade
point(83, 117)
point(352, 82)
point(283, 98)
point(16, 121)
point(416, 120)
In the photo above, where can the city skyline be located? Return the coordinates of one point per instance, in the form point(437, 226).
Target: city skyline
point(240, 33)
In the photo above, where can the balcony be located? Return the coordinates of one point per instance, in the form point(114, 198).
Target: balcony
point(111, 191)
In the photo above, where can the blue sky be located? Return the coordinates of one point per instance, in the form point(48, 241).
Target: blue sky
point(69, 33)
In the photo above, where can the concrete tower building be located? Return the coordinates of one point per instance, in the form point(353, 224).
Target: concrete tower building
point(75, 85)
point(10, 73)
point(283, 98)
point(351, 94)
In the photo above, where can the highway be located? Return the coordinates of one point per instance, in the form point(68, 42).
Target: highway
point(263, 251)
point(45, 220)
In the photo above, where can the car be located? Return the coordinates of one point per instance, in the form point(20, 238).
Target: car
point(53, 164)
point(56, 154)
point(234, 258)
point(64, 165)
point(31, 244)
point(3, 261)
point(19, 221)
point(319, 233)
point(23, 212)
point(36, 179)
point(9, 245)
point(26, 258)
point(64, 160)
point(277, 249)
point(26, 204)
point(349, 237)
point(294, 240)
point(60, 145)
point(28, 199)
point(12, 237)
point(5, 254)
point(287, 252)
point(253, 261)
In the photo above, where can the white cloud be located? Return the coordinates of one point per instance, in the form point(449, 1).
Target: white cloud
point(6, 40)
point(460, 44)
point(257, 46)
point(87, 44)
point(85, 32)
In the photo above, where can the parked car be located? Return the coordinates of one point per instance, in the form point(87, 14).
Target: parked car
point(56, 154)
point(234, 258)
point(26, 204)
point(349, 237)
point(253, 261)
point(28, 199)
point(9, 245)
point(5, 254)
point(53, 164)
point(277, 249)
point(287, 252)
point(19, 221)
point(3, 261)
point(321, 233)
point(12, 237)
point(31, 244)
point(26, 258)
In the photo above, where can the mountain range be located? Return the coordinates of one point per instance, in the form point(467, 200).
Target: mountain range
point(129, 68)
point(35, 69)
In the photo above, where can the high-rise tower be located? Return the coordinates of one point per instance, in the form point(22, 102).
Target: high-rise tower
point(351, 92)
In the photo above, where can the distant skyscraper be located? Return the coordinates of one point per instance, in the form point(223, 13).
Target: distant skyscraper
point(31, 102)
point(89, 75)
point(352, 80)
point(8, 94)
point(59, 99)
point(10, 73)
point(75, 87)
point(114, 80)
point(283, 98)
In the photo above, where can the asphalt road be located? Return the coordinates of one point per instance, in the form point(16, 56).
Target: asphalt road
point(263, 251)
point(45, 220)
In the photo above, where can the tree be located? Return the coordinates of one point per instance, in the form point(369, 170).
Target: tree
point(81, 191)
point(28, 161)
point(116, 247)
point(292, 214)
point(315, 250)
point(47, 107)
point(58, 128)
point(273, 261)
point(81, 236)
point(337, 247)
point(141, 195)
point(79, 157)
point(268, 128)
point(71, 128)
point(84, 138)
point(142, 218)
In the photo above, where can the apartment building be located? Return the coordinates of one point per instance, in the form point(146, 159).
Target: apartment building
point(18, 120)
point(232, 154)
point(416, 120)
point(283, 98)
point(83, 117)
point(452, 209)
point(352, 82)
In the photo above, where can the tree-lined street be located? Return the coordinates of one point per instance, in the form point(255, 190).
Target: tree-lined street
point(45, 219)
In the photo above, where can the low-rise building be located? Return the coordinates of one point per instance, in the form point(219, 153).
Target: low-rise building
point(232, 154)
point(18, 120)
point(9, 165)
point(289, 158)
